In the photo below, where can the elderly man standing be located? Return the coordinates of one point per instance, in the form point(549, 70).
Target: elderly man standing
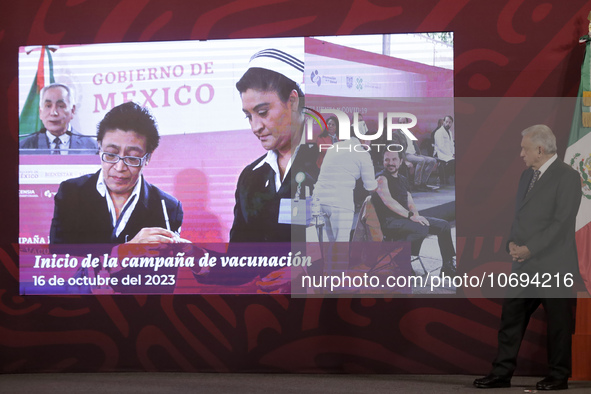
point(541, 244)
point(56, 110)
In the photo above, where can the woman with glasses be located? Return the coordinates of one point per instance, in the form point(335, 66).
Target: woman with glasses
point(116, 204)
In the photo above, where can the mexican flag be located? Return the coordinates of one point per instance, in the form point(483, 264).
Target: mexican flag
point(578, 156)
point(29, 121)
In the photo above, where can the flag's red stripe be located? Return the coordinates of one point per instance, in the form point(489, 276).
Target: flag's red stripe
point(583, 237)
point(41, 70)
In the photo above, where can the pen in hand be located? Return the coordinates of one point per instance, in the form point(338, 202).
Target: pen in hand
point(165, 215)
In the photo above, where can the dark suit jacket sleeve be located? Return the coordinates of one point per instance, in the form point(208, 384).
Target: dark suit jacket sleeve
point(152, 215)
point(37, 140)
point(28, 143)
point(525, 177)
point(568, 199)
point(63, 226)
point(175, 214)
point(79, 141)
point(239, 225)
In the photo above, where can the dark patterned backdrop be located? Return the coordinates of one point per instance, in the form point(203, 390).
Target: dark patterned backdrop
point(503, 49)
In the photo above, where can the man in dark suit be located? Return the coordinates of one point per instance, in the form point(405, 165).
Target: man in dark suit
point(116, 204)
point(56, 110)
point(542, 243)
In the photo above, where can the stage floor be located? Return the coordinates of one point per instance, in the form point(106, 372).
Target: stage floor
point(179, 383)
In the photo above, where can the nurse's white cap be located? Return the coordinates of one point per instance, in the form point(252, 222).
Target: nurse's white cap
point(279, 61)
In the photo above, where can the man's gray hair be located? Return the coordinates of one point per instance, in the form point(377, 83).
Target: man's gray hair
point(71, 100)
point(541, 135)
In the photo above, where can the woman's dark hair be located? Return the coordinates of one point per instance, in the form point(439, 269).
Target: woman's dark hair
point(131, 117)
point(269, 81)
point(325, 132)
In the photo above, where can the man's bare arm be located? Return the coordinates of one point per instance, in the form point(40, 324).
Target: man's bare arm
point(413, 208)
point(387, 198)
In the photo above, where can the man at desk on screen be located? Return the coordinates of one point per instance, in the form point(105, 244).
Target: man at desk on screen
point(116, 204)
point(56, 111)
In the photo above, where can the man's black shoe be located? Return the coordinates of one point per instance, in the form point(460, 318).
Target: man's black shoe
point(550, 383)
point(492, 382)
point(448, 268)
